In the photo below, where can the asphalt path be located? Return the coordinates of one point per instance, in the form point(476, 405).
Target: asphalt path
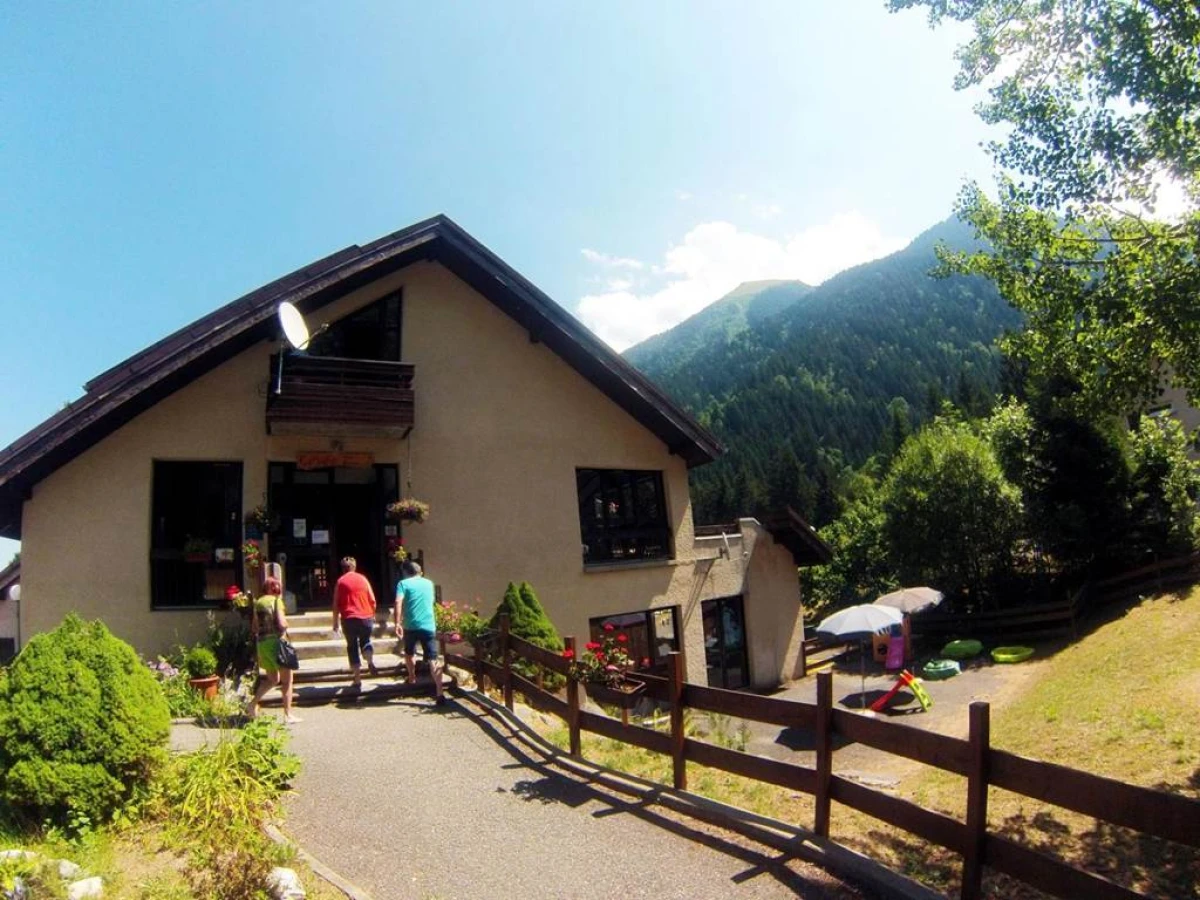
point(405, 800)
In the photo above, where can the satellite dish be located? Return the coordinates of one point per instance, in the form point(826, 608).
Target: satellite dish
point(293, 325)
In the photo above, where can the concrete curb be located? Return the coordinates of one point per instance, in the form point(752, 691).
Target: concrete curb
point(771, 832)
point(349, 888)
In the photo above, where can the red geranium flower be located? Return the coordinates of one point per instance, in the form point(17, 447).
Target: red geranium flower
point(593, 645)
point(645, 662)
point(568, 653)
point(609, 626)
point(622, 638)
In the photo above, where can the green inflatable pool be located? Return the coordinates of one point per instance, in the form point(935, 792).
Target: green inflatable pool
point(937, 669)
point(1012, 654)
point(963, 649)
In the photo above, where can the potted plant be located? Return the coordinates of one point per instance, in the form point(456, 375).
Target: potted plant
point(252, 554)
point(603, 669)
point(457, 623)
point(236, 598)
point(396, 550)
point(408, 509)
point(197, 549)
point(257, 521)
point(201, 666)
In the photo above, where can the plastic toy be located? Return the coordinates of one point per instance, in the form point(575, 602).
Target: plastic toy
point(906, 680)
point(1012, 654)
point(964, 649)
point(938, 669)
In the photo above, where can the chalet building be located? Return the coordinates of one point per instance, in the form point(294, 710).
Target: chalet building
point(10, 601)
point(436, 371)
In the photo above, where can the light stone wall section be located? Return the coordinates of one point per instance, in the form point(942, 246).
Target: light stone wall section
point(502, 423)
point(763, 572)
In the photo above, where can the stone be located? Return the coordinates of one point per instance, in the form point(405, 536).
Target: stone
point(284, 884)
point(17, 854)
point(67, 869)
point(85, 888)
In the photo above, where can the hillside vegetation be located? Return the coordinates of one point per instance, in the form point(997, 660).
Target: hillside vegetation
point(800, 383)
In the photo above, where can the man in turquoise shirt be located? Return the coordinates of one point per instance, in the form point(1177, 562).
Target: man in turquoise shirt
point(416, 624)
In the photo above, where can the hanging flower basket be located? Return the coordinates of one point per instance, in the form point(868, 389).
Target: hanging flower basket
point(252, 554)
point(408, 509)
point(623, 695)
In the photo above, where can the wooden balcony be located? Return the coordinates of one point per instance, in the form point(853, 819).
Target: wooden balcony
point(328, 395)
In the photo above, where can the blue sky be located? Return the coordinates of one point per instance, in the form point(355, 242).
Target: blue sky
point(635, 160)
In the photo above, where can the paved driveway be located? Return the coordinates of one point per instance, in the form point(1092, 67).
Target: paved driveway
point(407, 801)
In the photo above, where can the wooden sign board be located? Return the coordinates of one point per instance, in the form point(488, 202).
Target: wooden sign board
point(329, 459)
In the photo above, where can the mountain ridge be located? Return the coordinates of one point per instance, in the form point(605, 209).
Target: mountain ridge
point(818, 379)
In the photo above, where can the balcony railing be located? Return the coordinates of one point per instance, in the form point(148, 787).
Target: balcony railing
point(332, 395)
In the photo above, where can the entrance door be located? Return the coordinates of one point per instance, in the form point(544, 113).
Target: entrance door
point(324, 515)
point(725, 643)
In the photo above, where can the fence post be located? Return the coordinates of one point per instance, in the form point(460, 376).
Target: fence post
point(572, 704)
point(480, 674)
point(977, 800)
point(678, 761)
point(506, 655)
point(824, 726)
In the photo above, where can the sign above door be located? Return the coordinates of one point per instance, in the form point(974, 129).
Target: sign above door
point(324, 459)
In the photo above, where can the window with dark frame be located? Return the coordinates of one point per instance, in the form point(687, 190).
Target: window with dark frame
point(652, 633)
point(372, 332)
point(622, 515)
point(194, 505)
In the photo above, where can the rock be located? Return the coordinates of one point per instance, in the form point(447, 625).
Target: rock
point(17, 854)
point(19, 890)
point(87, 887)
point(67, 869)
point(284, 884)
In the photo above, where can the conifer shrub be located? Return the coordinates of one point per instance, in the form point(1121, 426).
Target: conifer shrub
point(527, 619)
point(83, 725)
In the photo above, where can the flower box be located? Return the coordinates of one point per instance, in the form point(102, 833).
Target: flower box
point(623, 696)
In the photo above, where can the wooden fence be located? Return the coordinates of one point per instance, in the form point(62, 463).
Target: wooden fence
point(1156, 577)
point(1153, 813)
point(1061, 619)
point(1033, 621)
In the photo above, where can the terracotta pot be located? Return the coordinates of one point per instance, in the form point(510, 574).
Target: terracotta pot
point(206, 686)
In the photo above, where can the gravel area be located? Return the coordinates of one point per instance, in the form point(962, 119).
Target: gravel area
point(409, 801)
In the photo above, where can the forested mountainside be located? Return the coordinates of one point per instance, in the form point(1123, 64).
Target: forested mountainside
point(800, 383)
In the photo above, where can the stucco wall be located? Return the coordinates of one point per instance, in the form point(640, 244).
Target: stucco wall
point(502, 424)
point(8, 615)
point(774, 615)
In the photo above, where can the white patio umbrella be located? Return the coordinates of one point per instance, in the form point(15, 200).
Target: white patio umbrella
point(859, 623)
point(911, 600)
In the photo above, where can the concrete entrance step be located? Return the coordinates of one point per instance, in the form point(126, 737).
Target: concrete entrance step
point(341, 691)
point(336, 667)
point(335, 648)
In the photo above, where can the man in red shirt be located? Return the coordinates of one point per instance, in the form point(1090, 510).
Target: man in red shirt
point(354, 614)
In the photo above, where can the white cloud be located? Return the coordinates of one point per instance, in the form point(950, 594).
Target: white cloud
point(612, 262)
point(713, 259)
point(683, 196)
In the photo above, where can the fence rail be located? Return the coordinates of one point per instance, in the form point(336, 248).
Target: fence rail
point(1153, 813)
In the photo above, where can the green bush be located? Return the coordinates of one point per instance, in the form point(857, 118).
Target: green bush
point(229, 639)
point(200, 662)
point(527, 619)
point(83, 725)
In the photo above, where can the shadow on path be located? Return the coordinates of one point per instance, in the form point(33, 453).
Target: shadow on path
point(556, 786)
